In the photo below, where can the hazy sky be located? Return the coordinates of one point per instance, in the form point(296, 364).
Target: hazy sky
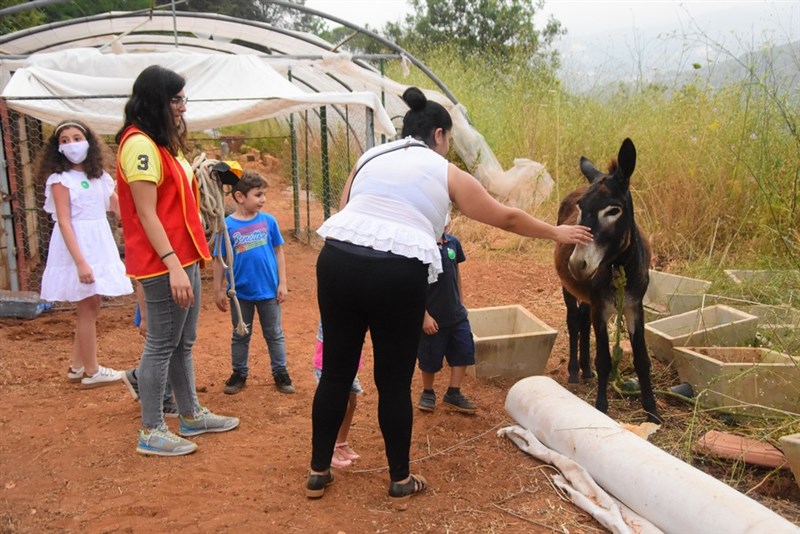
point(584, 17)
point(610, 40)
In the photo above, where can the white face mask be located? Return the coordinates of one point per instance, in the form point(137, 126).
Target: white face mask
point(75, 152)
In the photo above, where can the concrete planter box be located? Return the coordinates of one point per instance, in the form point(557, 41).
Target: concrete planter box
point(790, 446)
point(510, 342)
point(717, 325)
point(670, 294)
point(741, 380)
point(779, 326)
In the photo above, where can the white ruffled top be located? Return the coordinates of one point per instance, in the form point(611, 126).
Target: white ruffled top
point(398, 203)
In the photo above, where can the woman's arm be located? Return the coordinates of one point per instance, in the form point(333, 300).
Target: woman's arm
point(64, 217)
point(476, 203)
point(145, 195)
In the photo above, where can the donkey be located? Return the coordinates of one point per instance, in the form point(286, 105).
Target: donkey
point(587, 273)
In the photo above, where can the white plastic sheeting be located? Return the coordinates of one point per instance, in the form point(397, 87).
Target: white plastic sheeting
point(244, 88)
point(221, 55)
point(671, 494)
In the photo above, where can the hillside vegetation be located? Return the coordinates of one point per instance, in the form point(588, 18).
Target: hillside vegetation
point(716, 182)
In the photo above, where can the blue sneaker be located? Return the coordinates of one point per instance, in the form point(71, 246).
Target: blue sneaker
point(162, 442)
point(204, 422)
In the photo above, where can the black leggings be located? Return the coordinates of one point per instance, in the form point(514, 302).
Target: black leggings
point(384, 294)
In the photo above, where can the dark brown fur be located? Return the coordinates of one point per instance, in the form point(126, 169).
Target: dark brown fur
point(587, 276)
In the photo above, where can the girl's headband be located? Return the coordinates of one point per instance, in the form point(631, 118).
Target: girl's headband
point(72, 124)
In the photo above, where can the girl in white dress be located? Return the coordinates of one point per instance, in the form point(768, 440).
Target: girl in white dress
point(83, 262)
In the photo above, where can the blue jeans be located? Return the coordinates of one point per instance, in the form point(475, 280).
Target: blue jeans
point(171, 333)
point(269, 315)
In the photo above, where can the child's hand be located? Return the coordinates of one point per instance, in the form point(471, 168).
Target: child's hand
point(85, 273)
point(429, 325)
point(282, 293)
point(221, 299)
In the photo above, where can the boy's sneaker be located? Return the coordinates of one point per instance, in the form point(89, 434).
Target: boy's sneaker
point(162, 442)
point(75, 375)
point(129, 377)
point(282, 381)
point(170, 408)
point(235, 384)
point(103, 377)
point(458, 402)
point(204, 422)
point(427, 401)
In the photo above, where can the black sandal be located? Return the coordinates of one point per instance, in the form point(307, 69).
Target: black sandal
point(316, 484)
point(399, 494)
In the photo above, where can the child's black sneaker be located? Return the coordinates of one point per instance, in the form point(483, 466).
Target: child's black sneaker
point(282, 381)
point(235, 384)
point(457, 401)
point(427, 401)
point(170, 407)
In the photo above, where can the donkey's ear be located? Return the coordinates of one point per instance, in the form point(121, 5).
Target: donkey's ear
point(589, 170)
point(627, 158)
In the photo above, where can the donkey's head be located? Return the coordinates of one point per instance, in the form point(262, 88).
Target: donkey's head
point(607, 209)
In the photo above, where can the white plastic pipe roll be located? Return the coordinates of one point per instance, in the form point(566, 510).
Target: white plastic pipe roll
point(670, 493)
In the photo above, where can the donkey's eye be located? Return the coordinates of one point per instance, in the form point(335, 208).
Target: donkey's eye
point(613, 212)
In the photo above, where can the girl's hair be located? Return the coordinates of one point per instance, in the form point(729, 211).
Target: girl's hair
point(52, 161)
point(148, 108)
point(250, 180)
point(424, 117)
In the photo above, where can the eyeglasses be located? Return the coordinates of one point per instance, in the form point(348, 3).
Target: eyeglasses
point(178, 100)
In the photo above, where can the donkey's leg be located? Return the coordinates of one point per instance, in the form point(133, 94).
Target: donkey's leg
point(641, 363)
point(573, 329)
point(585, 329)
point(602, 360)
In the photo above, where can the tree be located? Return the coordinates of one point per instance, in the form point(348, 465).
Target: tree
point(354, 42)
point(84, 8)
point(258, 10)
point(18, 21)
point(498, 27)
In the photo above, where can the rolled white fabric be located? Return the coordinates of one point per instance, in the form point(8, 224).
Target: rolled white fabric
point(670, 493)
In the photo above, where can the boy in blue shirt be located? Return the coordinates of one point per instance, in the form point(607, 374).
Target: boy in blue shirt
point(446, 333)
point(259, 276)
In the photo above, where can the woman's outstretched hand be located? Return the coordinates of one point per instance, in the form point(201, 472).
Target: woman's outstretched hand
point(573, 234)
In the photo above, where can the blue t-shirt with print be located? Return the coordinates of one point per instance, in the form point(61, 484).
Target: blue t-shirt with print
point(255, 266)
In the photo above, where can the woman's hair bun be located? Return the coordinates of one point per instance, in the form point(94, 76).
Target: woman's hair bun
point(415, 99)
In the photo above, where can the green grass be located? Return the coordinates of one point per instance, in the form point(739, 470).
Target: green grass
point(717, 168)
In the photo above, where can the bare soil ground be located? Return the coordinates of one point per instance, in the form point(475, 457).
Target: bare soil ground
point(67, 460)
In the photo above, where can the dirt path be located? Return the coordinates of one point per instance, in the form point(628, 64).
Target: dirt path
point(67, 460)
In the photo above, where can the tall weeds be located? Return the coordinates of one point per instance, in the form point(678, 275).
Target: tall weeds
point(717, 174)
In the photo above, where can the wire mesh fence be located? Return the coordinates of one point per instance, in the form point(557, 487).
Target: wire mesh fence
point(313, 151)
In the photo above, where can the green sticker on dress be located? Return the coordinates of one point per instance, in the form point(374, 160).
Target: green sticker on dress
point(451, 253)
point(84, 184)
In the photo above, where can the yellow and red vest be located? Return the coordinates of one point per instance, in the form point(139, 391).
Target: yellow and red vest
point(177, 207)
